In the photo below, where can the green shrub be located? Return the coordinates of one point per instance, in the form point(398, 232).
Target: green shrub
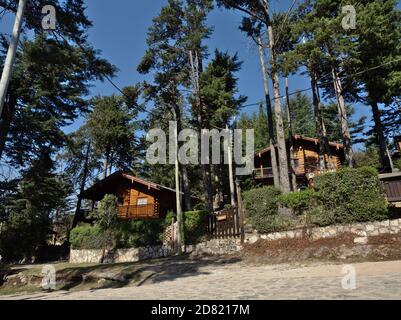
point(140, 233)
point(301, 202)
point(106, 215)
point(261, 206)
point(86, 236)
point(195, 226)
point(351, 195)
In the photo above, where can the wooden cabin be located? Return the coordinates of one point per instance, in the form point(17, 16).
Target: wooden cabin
point(137, 198)
point(305, 156)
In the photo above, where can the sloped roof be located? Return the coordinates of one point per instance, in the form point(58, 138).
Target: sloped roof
point(306, 139)
point(118, 175)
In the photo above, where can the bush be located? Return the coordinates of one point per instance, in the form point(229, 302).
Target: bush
point(140, 233)
point(301, 202)
point(261, 206)
point(195, 225)
point(351, 195)
point(91, 237)
point(106, 215)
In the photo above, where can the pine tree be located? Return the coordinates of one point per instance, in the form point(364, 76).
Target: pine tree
point(259, 13)
point(111, 129)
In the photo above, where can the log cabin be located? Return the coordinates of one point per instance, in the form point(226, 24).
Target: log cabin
point(137, 198)
point(306, 160)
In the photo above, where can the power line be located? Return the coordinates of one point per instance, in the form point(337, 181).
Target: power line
point(328, 82)
point(106, 76)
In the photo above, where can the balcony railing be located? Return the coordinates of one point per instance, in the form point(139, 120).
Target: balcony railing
point(266, 173)
point(139, 212)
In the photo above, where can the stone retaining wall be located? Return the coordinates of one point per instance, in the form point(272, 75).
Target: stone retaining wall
point(214, 247)
point(120, 255)
point(361, 231)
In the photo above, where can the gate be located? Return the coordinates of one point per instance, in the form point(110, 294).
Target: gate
point(226, 223)
point(392, 186)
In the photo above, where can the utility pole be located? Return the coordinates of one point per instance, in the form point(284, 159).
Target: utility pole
point(180, 232)
point(230, 168)
point(11, 53)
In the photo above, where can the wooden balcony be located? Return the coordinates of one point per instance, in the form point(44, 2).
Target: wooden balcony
point(267, 173)
point(149, 211)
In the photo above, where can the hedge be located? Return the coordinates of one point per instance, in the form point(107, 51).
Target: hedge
point(346, 196)
point(140, 233)
point(86, 236)
point(195, 225)
point(261, 206)
point(351, 195)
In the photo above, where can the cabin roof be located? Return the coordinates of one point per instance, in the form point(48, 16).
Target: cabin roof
point(104, 186)
point(307, 140)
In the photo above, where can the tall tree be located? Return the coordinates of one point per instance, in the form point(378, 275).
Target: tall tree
point(219, 93)
point(378, 53)
point(51, 77)
point(177, 34)
point(259, 12)
point(111, 129)
point(39, 194)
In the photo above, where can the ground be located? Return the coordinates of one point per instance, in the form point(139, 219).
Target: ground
point(231, 278)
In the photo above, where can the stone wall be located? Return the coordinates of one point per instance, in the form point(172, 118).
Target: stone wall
point(360, 230)
point(216, 247)
point(213, 247)
point(120, 255)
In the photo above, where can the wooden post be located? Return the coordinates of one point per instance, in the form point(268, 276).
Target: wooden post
point(241, 213)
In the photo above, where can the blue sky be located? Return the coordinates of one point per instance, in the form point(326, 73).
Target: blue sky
point(120, 28)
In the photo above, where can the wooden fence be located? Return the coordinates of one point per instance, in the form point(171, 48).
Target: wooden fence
point(226, 223)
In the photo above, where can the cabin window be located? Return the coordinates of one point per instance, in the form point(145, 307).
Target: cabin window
point(142, 201)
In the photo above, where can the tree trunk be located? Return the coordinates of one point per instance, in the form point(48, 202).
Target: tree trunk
point(106, 163)
point(77, 215)
point(281, 143)
point(11, 53)
point(290, 139)
point(273, 155)
point(342, 112)
point(386, 160)
point(5, 122)
point(183, 168)
point(318, 121)
point(205, 168)
point(325, 138)
point(186, 189)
